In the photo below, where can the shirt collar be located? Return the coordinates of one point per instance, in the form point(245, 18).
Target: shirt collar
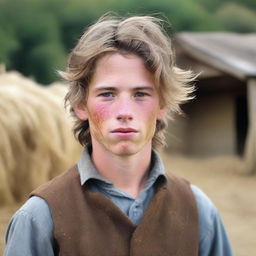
point(88, 171)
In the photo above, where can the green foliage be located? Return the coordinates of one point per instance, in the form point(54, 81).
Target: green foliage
point(186, 15)
point(45, 59)
point(214, 5)
point(8, 45)
point(36, 35)
point(250, 4)
point(236, 18)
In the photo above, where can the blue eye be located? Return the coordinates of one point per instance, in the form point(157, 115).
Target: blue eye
point(107, 94)
point(141, 94)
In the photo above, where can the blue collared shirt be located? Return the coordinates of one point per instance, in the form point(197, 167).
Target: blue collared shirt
point(30, 231)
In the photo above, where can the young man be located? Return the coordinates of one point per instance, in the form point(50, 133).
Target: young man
point(118, 199)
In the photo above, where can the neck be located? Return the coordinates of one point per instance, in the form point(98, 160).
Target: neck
point(128, 173)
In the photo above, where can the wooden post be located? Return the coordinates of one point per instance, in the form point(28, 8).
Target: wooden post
point(250, 150)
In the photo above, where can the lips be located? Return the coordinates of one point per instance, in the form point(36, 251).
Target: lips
point(124, 130)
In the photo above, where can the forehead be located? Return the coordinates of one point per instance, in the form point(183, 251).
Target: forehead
point(115, 69)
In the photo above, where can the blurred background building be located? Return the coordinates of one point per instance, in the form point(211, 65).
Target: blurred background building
point(217, 120)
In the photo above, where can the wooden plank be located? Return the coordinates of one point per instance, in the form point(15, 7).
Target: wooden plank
point(250, 150)
point(229, 52)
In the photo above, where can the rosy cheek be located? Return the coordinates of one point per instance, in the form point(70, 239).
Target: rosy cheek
point(101, 112)
point(98, 113)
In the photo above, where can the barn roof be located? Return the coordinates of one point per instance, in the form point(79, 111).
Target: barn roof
point(232, 53)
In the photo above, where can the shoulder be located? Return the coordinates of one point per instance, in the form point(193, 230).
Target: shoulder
point(213, 237)
point(36, 207)
point(30, 230)
point(207, 211)
point(205, 206)
point(34, 214)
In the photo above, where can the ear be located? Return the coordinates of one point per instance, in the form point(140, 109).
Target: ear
point(81, 112)
point(161, 113)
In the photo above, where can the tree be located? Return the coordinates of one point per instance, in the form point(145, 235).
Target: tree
point(234, 17)
point(36, 35)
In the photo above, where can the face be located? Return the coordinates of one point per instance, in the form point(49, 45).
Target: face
point(122, 106)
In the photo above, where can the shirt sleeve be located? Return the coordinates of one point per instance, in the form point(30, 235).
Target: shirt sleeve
point(30, 231)
point(213, 239)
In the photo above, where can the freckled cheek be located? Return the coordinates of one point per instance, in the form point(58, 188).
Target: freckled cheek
point(98, 114)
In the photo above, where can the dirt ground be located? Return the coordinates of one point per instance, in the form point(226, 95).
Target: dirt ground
point(225, 182)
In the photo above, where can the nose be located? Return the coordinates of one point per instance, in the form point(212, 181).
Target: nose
point(124, 109)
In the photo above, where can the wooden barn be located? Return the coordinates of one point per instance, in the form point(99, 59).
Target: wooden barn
point(221, 120)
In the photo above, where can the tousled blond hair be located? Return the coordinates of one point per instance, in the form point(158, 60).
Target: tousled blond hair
point(139, 35)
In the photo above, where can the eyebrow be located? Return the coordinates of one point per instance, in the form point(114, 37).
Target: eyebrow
point(144, 88)
point(110, 88)
point(105, 88)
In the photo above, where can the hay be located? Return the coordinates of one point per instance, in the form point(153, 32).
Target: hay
point(37, 142)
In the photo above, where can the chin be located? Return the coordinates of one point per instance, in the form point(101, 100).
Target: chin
point(125, 150)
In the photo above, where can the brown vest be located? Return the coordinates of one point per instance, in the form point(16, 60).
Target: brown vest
point(87, 223)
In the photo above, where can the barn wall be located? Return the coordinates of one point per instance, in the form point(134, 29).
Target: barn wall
point(207, 129)
point(211, 129)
